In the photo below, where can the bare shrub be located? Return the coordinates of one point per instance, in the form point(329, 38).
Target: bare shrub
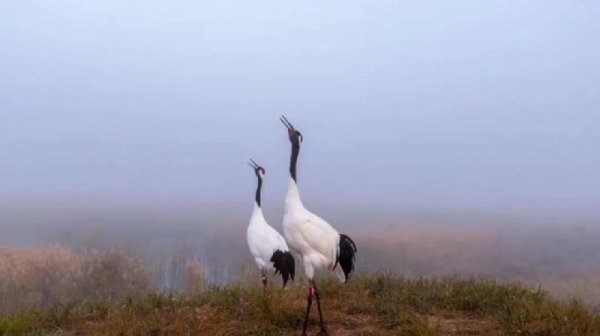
point(36, 276)
point(41, 276)
point(194, 277)
point(113, 274)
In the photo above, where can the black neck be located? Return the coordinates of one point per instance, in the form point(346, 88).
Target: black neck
point(257, 197)
point(293, 160)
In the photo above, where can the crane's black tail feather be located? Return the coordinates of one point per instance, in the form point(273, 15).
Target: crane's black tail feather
point(284, 264)
point(347, 255)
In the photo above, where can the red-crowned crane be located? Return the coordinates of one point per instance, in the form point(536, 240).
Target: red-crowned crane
point(318, 243)
point(267, 246)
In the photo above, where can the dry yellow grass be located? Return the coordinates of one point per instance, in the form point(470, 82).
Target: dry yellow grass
point(369, 305)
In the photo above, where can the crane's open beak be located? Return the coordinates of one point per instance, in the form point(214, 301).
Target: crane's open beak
point(253, 164)
point(286, 123)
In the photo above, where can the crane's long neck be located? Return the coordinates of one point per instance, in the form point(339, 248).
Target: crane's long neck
point(294, 160)
point(292, 199)
point(258, 190)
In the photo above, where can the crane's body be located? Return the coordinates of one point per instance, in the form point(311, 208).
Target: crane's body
point(267, 246)
point(315, 239)
point(318, 243)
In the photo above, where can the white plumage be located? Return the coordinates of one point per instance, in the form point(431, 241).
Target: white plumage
point(319, 244)
point(263, 240)
point(315, 239)
point(267, 246)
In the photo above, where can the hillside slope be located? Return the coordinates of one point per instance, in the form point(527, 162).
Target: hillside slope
point(368, 305)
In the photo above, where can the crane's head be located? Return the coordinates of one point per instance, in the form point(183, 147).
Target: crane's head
point(258, 170)
point(295, 135)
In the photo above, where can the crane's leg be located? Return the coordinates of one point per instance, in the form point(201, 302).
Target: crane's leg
point(263, 272)
point(323, 329)
point(309, 303)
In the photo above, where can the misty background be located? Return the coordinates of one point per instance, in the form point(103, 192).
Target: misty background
point(433, 131)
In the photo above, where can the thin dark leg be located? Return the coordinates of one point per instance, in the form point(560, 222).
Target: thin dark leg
point(323, 329)
point(264, 279)
point(309, 303)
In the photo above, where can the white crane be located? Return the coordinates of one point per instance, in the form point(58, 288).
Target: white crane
point(318, 243)
point(267, 246)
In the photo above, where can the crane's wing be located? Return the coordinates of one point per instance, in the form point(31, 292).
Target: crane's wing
point(264, 240)
point(321, 236)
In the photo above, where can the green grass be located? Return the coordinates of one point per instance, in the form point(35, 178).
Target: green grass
point(368, 305)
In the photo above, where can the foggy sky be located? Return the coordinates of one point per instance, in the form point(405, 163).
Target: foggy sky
point(433, 105)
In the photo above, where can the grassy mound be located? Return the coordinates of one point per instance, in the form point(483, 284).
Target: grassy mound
point(368, 305)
